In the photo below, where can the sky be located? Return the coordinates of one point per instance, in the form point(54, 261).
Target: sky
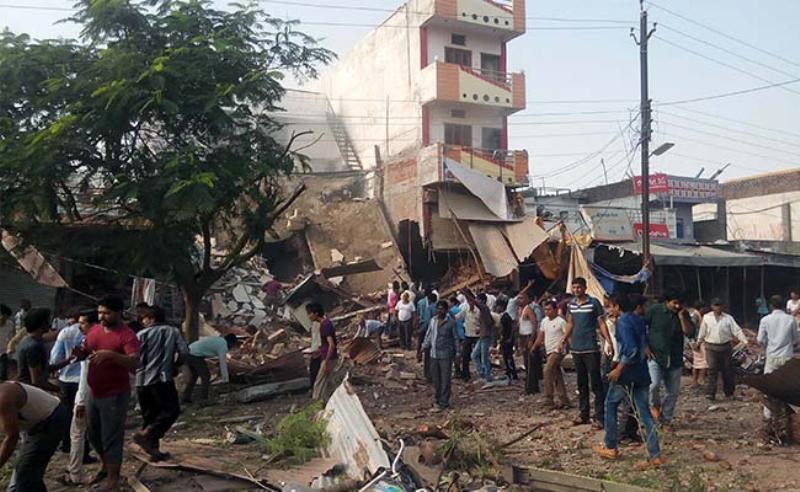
point(593, 74)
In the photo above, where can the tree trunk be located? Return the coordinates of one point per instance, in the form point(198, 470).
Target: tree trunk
point(191, 313)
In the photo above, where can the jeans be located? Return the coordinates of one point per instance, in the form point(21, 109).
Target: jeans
point(671, 378)
point(617, 393)
point(107, 425)
point(38, 446)
point(406, 329)
point(719, 358)
point(442, 373)
point(69, 391)
point(480, 356)
point(587, 367)
point(194, 368)
point(313, 369)
point(160, 408)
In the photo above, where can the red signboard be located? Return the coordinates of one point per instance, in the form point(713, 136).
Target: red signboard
point(659, 183)
point(656, 230)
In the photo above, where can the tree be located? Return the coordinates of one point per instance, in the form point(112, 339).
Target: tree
point(156, 119)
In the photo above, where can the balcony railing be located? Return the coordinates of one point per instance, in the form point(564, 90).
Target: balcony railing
point(510, 167)
point(504, 80)
point(451, 82)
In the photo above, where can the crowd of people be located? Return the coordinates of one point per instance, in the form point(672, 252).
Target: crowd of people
point(100, 362)
point(627, 351)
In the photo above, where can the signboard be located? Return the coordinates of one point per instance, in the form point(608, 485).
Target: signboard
point(660, 231)
point(659, 183)
point(608, 224)
point(682, 189)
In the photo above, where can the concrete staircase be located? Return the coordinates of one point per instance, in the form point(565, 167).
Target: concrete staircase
point(342, 139)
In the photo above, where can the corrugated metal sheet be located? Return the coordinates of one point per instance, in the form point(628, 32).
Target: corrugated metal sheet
point(497, 257)
point(700, 256)
point(491, 192)
point(465, 207)
point(525, 237)
point(354, 440)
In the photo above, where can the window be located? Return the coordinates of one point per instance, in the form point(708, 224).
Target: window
point(490, 66)
point(458, 113)
point(458, 134)
point(491, 138)
point(679, 228)
point(458, 39)
point(458, 56)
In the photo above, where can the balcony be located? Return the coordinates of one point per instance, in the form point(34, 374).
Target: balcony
point(503, 17)
point(507, 166)
point(454, 83)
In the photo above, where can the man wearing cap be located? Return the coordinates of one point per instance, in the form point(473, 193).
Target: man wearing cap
point(718, 330)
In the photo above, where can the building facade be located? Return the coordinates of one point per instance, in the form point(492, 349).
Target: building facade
point(425, 94)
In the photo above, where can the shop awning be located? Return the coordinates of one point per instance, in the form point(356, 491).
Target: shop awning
point(503, 247)
point(689, 255)
point(465, 207)
point(490, 191)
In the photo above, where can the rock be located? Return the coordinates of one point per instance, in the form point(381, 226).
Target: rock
point(256, 302)
point(387, 244)
point(710, 456)
point(258, 317)
point(336, 256)
point(240, 294)
point(725, 465)
point(233, 306)
point(407, 375)
point(393, 373)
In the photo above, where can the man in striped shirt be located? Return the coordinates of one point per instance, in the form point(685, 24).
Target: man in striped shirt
point(585, 316)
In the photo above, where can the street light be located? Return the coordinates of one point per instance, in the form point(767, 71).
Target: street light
point(663, 148)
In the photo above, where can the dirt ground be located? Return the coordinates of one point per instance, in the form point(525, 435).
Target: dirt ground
point(397, 407)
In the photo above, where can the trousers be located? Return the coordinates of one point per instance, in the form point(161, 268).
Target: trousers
point(160, 408)
point(617, 393)
point(719, 358)
point(442, 374)
point(587, 367)
point(194, 368)
point(554, 379)
point(671, 379)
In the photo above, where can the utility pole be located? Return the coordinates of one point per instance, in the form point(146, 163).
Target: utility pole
point(644, 36)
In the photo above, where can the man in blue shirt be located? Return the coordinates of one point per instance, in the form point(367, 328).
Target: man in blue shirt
point(69, 376)
point(196, 368)
point(426, 310)
point(629, 378)
point(585, 316)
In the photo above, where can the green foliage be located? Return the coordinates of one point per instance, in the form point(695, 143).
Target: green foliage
point(155, 119)
point(472, 450)
point(299, 436)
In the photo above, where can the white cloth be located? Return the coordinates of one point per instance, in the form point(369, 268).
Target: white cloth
point(526, 321)
point(612, 330)
point(316, 338)
point(778, 333)
point(19, 319)
point(554, 330)
point(491, 300)
point(37, 408)
point(405, 311)
point(472, 321)
point(720, 330)
point(792, 306)
point(412, 298)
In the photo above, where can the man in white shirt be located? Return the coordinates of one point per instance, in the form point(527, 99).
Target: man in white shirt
point(777, 332)
point(718, 330)
point(793, 304)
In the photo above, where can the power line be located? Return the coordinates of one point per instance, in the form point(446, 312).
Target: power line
point(715, 162)
point(734, 120)
point(722, 127)
point(389, 10)
point(733, 139)
point(729, 149)
point(728, 65)
point(726, 94)
point(725, 35)
point(730, 52)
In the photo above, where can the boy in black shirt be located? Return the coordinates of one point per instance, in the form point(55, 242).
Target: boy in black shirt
point(32, 353)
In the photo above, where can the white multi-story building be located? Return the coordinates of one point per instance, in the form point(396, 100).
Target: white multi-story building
point(428, 92)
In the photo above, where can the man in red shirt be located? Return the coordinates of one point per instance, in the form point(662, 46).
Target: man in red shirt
point(113, 352)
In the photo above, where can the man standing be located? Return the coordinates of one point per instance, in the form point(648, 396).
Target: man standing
point(7, 330)
point(506, 339)
point(69, 377)
point(196, 367)
point(457, 312)
point(19, 318)
point(629, 377)
point(472, 333)
point(718, 330)
point(155, 385)
point(486, 336)
point(78, 453)
point(43, 418)
point(406, 319)
point(426, 310)
point(327, 350)
point(584, 319)
point(113, 352)
point(777, 332)
point(668, 323)
point(32, 366)
point(551, 331)
point(440, 340)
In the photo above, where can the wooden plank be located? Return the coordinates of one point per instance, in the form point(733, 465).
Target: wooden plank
point(556, 481)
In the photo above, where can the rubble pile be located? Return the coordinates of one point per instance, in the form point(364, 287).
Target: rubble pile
point(238, 298)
